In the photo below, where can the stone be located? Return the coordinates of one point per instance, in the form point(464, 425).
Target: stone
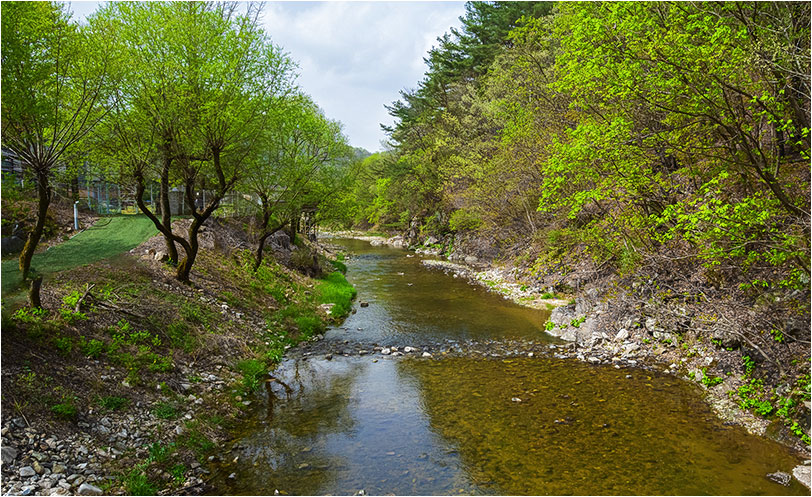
point(37, 467)
point(515, 399)
point(363, 304)
point(8, 454)
point(471, 259)
point(780, 477)
point(802, 474)
point(88, 489)
point(408, 349)
point(386, 351)
point(58, 468)
point(28, 490)
point(650, 323)
point(593, 360)
point(27, 471)
point(426, 354)
point(623, 334)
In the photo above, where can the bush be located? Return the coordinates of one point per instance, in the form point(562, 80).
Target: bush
point(464, 220)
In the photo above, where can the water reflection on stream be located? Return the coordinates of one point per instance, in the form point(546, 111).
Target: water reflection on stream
point(535, 426)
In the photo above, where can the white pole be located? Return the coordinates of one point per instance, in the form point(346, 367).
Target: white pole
point(76, 215)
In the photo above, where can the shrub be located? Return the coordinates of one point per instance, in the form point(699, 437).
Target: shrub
point(464, 220)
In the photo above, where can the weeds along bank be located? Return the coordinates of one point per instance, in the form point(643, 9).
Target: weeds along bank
point(748, 348)
point(128, 381)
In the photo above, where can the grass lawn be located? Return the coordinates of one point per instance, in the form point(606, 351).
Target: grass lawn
point(108, 237)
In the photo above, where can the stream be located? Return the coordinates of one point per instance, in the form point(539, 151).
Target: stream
point(500, 423)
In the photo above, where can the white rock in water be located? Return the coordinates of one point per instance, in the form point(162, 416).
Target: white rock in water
point(802, 474)
point(426, 354)
point(516, 399)
point(408, 349)
point(386, 351)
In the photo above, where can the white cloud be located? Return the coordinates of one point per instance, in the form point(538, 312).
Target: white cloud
point(354, 57)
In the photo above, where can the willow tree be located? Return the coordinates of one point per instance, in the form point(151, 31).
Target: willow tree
point(297, 145)
point(201, 74)
point(55, 76)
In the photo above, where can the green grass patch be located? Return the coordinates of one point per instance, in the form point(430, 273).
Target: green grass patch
point(252, 372)
point(164, 410)
point(113, 403)
point(335, 289)
point(108, 237)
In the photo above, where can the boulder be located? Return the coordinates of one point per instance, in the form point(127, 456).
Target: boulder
point(802, 474)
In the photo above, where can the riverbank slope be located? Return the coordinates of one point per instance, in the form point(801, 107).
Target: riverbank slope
point(128, 381)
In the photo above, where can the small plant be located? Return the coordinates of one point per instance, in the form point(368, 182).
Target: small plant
point(748, 365)
point(137, 483)
point(29, 315)
point(164, 410)
point(65, 409)
point(709, 380)
point(159, 453)
point(549, 326)
point(177, 472)
point(64, 345)
point(113, 403)
point(548, 295)
point(252, 371)
point(93, 349)
point(576, 323)
point(777, 335)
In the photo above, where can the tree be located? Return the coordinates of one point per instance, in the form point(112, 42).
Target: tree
point(201, 74)
point(293, 156)
point(55, 90)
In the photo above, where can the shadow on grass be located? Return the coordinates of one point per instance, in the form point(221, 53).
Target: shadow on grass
point(108, 237)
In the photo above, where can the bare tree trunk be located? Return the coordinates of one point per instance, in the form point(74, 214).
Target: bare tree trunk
point(44, 200)
point(166, 212)
point(33, 292)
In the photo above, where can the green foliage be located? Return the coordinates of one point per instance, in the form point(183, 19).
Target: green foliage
point(137, 483)
point(335, 289)
point(710, 381)
point(159, 453)
point(549, 325)
point(464, 220)
point(165, 410)
point(66, 409)
point(253, 371)
point(64, 345)
point(93, 348)
point(113, 403)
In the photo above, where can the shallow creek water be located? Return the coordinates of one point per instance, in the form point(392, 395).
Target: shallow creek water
point(464, 425)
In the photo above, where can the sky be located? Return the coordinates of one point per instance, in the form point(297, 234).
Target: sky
point(353, 57)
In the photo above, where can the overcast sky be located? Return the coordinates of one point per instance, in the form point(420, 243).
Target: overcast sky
point(354, 57)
